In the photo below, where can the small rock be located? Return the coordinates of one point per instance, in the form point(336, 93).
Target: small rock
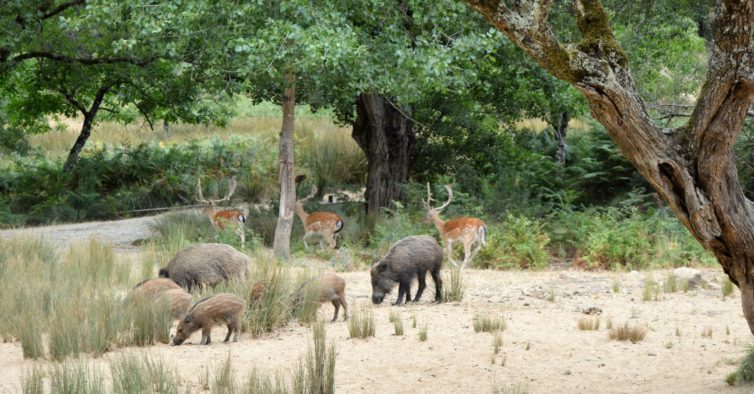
point(567, 373)
point(592, 310)
point(693, 276)
point(652, 354)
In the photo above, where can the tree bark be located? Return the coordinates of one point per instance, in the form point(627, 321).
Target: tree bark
point(691, 167)
point(561, 129)
point(282, 242)
point(386, 136)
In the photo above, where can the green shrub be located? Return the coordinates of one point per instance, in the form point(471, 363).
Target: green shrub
point(517, 242)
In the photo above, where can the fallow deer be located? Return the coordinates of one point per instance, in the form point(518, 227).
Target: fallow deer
point(468, 231)
point(221, 217)
point(324, 225)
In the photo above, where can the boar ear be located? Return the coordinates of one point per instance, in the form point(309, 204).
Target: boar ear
point(187, 319)
point(381, 265)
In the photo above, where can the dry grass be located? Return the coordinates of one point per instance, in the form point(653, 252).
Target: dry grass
point(486, 323)
point(634, 333)
point(589, 324)
point(361, 324)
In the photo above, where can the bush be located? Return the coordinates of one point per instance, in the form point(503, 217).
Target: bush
point(517, 242)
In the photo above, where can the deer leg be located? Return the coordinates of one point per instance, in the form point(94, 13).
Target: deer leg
point(466, 253)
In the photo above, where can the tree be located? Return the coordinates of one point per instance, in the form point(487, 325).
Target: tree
point(108, 56)
point(692, 166)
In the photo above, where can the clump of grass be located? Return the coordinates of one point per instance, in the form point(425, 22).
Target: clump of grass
point(589, 324)
point(146, 322)
point(74, 378)
point(497, 343)
point(486, 323)
point(361, 324)
point(307, 302)
point(455, 286)
point(134, 374)
point(394, 316)
point(509, 389)
point(398, 324)
point(669, 344)
point(707, 332)
point(33, 381)
point(223, 381)
point(609, 323)
point(671, 284)
point(651, 291)
point(551, 295)
point(683, 285)
point(316, 373)
point(616, 284)
point(745, 372)
point(635, 333)
point(264, 382)
point(731, 378)
point(727, 287)
point(413, 321)
point(273, 308)
point(423, 333)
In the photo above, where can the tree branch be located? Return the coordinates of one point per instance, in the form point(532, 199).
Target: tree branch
point(83, 60)
point(62, 7)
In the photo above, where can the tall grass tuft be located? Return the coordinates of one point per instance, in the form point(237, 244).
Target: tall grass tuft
point(134, 374)
point(455, 286)
point(651, 290)
point(423, 332)
point(671, 283)
point(264, 382)
point(273, 309)
point(146, 322)
point(316, 372)
point(33, 381)
point(361, 324)
point(745, 372)
point(727, 287)
point(486, 323)
point(635, 333)
point(307, 301)
point(75, 378)
point(224, 381)
point(588, 324)
point(398, 325)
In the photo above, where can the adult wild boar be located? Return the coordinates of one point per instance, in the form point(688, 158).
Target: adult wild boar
point(206, 265)
point(408, 258)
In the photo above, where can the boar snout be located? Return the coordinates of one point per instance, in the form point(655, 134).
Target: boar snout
point(177, 341)
point(377, 298)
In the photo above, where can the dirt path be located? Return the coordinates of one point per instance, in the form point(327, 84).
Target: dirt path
point(693, 339)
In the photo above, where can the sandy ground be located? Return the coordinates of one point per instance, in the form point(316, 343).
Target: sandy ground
point(543, 350)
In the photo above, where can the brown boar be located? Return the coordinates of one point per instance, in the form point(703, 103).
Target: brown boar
point(331, 288)
point(221, 308)
point(178, 301)
point(151, 288)
point(257, 290)
point(408, 258)
point(206, 265)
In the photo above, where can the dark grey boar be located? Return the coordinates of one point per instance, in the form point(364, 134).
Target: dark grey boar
point(206, 265)
point(408, 258)
point(221, 308)
point(331, 288)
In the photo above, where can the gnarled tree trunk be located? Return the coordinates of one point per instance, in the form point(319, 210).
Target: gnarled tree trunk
point(282, 242)
point(691, 167)
point(386, 136)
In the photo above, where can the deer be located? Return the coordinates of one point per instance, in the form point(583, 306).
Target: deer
point(324, 225)
point(220, 218)
point(466, 230)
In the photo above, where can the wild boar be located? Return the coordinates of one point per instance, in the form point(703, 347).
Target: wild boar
point(221, 308)
point(330, 287)
point(206, 265)
point(151, 288)
point(408, 258)
point(257, 290)
point(178, 301)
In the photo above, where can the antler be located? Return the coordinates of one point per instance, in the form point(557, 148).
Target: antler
point(429, 198)
point(313, 192)
point(231, 189)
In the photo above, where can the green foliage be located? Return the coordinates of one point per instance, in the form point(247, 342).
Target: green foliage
point(134, 374)
point(745, 372)
point(517, 242)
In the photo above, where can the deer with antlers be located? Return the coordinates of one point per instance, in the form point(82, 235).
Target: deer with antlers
point(468, 231)
point(324, 225)
point(221, 217)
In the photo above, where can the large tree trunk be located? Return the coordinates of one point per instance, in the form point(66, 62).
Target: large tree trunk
point(282, 242)
point(561, 130)
point(691, 167)
point(386, 136)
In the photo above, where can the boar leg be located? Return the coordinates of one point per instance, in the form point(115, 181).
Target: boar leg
point(345, 308)
point(205, 336)
point(337, 306)
point(404, 287)
point(422, 276)
point(438, 285)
